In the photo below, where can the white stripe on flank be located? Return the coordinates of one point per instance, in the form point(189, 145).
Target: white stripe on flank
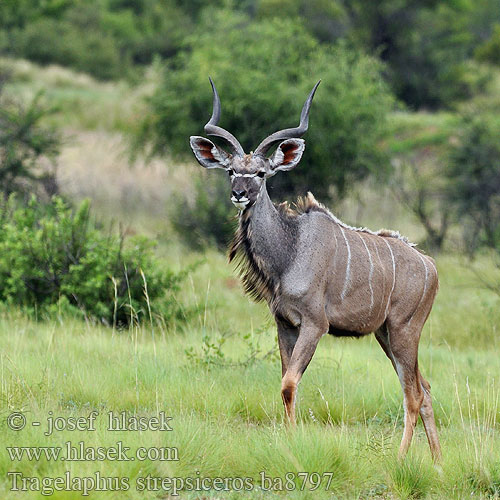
point(334, 261)
point(348, 267)
point(393, 276)
point(370, 276)
point(423, 292)
point(383, 281)
point(336, 250)
point(429, 261)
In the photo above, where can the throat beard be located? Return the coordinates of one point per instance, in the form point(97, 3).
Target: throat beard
point(256, 282)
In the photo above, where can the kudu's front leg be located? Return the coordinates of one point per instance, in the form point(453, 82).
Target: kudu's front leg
point(287, 338)
point(305, 346)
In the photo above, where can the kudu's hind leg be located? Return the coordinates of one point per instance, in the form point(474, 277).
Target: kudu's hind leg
point(302, 353)
point(413, 399)
point(408, 379)
point(401, 347)
point(427, 414)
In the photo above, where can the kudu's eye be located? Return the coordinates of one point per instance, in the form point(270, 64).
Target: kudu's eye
point(230, 172)
point(261, 174)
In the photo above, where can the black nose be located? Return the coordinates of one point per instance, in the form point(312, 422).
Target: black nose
point(238, 194)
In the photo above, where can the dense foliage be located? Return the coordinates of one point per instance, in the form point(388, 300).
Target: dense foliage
point(104, 38)
point(54, 259)
point(489, 51)
point(426, 45)
point(348, 115)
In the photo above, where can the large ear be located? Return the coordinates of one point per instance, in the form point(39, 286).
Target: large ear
point(208, 154)
point(288, 154)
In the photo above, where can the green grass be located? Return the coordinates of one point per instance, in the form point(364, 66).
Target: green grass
point(227, 418)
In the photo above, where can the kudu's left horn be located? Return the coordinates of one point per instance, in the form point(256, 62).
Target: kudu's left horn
point(289, 133)
point(211, 127)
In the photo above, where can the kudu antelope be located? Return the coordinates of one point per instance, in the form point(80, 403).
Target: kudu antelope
point(319, 275)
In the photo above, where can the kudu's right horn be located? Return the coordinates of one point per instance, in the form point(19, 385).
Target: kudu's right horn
point(211, 127)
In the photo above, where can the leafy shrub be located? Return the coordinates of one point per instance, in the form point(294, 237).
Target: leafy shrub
point(326, 19)
point(212, 350)
point(53, 257)
point(421, 187)
point(425, 46)
point(264, 71)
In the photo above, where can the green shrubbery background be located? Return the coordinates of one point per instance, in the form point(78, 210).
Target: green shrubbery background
point(426, 45)
point(54, 260)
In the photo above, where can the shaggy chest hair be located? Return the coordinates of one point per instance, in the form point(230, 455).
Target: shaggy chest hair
point(257, 282)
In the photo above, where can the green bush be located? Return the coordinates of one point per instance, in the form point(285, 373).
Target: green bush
point(104, 39)
point(54, 258)
point(327, 20)
point(424, 44)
